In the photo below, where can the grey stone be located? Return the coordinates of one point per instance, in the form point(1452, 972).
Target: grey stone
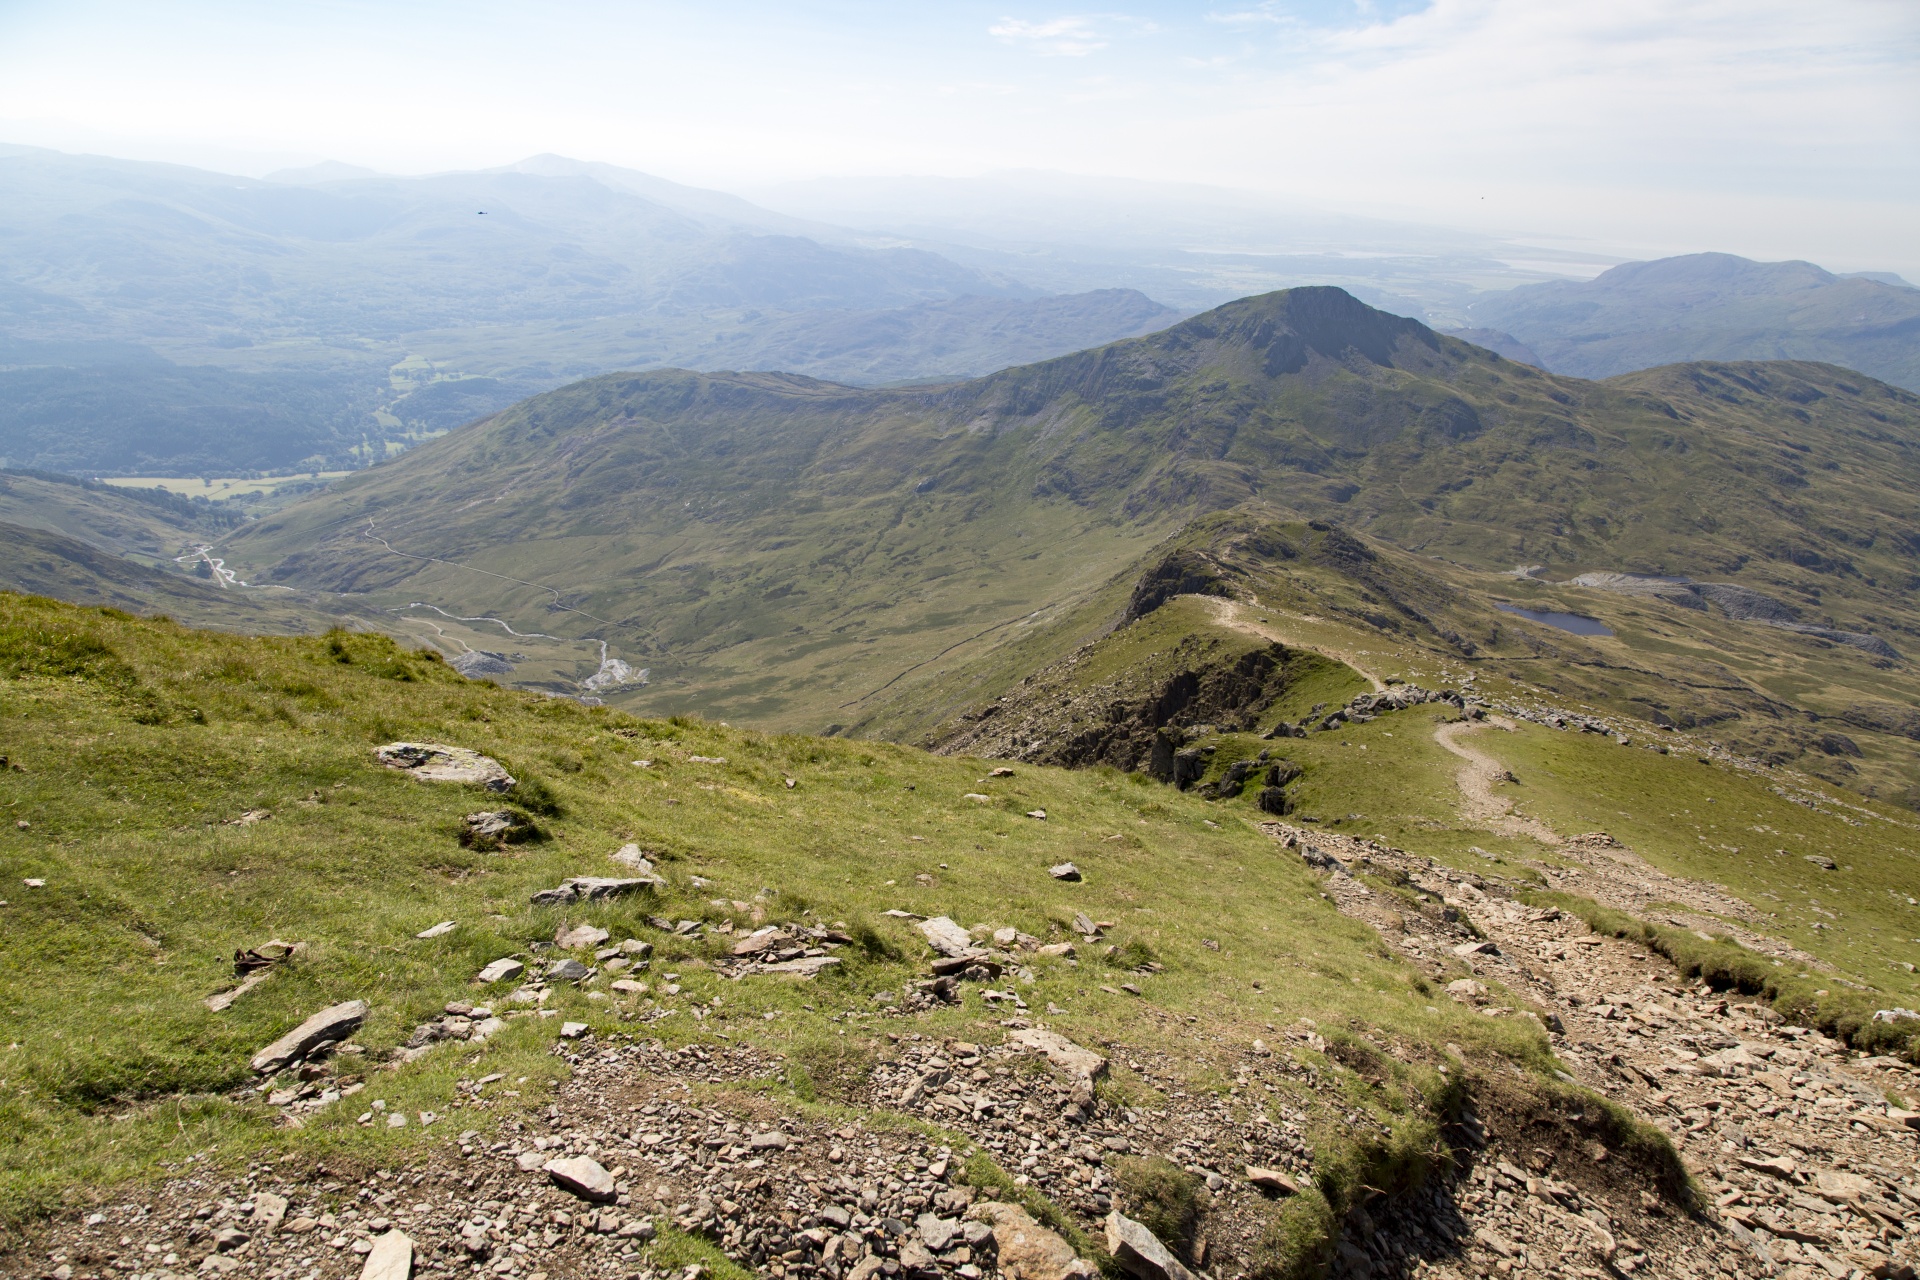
point(946, 937)
point(438, 762)
point(773, 1141)
point(629, 855)
point(336, 1022)
point(391, 1258)
point(936, 1232)
point(568, 970)
point(594, 889)
point(491, 828)
point(581, 935)
point(502, 969)
point(1140, 1252)
point(1065, 871)
point(269, 1211)
point(444, 927)
point(1060, 1051)
point(583, 1176)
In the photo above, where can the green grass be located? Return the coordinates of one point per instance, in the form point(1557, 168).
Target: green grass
point(1685, 818)
point(140, 740)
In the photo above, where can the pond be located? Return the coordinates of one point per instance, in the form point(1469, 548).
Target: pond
point(1578, 623)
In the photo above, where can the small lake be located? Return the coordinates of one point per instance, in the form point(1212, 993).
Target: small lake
point(1578, 623)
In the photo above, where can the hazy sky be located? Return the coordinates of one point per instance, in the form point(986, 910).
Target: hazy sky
point(1771, 127)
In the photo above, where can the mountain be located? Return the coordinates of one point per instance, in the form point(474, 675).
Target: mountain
point(801, 554)
point(965, 337)
point(162, 320)
point(1714, 306)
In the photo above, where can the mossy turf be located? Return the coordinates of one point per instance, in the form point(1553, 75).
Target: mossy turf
point(134, 747)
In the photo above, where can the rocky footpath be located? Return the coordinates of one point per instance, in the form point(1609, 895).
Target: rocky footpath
point(1808, 1167)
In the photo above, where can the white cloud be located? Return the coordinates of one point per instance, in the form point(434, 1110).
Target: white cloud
point(1070, 37)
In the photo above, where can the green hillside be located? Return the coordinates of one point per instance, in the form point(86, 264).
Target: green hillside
point(797, 554)
point(179, 796)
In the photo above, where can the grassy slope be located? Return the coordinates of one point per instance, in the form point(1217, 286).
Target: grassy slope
point(45, 563)
point(141, 740)
point(1705, 822)
point(149, 532)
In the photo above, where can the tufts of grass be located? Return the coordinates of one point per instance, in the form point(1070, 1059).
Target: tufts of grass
point(1166, 1199)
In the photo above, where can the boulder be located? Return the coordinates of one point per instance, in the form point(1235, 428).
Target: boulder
point(568, 970)
point(761, 940)
point(594, 889)
point(438, 762)
point(583, 1177)
point(1065, 871)
point(1841, 1187)
point(946, 937)
point(334, 1023)
point(1061, 1052)
point(1024, 1249)
point(806, 966)
point(1140, 1253)
point(390, 1259)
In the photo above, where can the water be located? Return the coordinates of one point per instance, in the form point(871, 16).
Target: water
point(1578, 623)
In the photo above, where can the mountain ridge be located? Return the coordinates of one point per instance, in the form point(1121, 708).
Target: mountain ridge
point(1714, 306)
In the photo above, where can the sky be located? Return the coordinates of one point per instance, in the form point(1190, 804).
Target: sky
point(1775, 128)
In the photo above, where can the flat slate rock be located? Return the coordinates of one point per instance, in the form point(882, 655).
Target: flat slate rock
point(583, 1176)
point(502, 969)
point(946, 937)
point(1140, 1252)
point(581, 935)
point(438, 762)
point(594, 889)
point(1061, 1052)
point(390, 1259)
point(334, 1023)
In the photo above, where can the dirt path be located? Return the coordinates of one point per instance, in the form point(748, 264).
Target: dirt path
point(1810, 1170)
point(1232, 614)
point(1479, 803)
point(1595, 865)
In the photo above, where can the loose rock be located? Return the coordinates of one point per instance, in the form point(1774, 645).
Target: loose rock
point(334, 1023)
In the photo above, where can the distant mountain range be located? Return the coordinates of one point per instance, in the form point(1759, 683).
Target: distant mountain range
point(162, 320)
point(1711, 306)
point(165, 321)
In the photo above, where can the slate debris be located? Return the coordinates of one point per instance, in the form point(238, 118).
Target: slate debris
point(594, 889)
point(1746, 1098)
point(326, 1027)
